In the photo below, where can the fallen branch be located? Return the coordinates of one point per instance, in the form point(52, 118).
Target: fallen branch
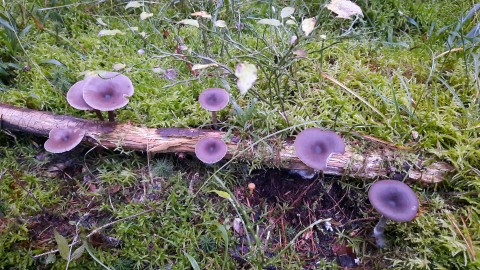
point(377, 162)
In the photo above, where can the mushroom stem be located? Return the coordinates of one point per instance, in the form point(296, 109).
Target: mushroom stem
point(214, 120)
point(378, 232)
point(111, 116)
point(99, 115)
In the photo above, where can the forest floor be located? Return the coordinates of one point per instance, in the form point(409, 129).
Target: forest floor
point(411, 76)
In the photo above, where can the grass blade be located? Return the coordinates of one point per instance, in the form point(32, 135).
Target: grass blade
point(328, 77)
point(192, 260)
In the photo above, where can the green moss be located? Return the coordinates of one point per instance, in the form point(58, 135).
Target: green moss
point(392, 61)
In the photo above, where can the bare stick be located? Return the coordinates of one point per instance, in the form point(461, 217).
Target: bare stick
point(370, 164)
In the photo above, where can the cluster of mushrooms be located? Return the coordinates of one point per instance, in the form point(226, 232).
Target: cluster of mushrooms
point(393, 199)
point(107, 91)
point(313, 146)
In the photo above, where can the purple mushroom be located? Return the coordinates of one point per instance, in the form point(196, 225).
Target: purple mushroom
point(210, 150)
point(63, 139)
point(75, 98)
point(214, 99)
point(108, 92)
point(314, 146)
point(395, 200)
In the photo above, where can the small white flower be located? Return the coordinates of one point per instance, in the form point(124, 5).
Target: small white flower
point(323, 36)
point(141, 51)
point(357, 261)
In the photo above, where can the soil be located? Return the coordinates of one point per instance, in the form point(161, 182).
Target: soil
point(295, 203)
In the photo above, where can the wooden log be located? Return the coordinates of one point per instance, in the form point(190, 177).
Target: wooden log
point(376, 162)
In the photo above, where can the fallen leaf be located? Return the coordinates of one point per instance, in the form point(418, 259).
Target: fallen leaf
point(237, 226)
point(145, 15)
point(113, 32)
point(220, 23)
point(300, 53)
point(308, 25)
point(100, 21)
point(189, 22)
point(272, 22)
point(91, 73)
point(133, 4)
point(158, 70)
point(247, 75)
point(115, 188)
point(202, 14)
point(62, 244)
point(118, 66)
point(345, 9)
point(291, 22)
point(222, 194)
point(287, 12)
point(202, 66)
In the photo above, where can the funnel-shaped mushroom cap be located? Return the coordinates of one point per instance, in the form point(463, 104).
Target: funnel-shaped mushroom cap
point(213, 99)
point(63, 139)
point(75, 96)
point(108, 91)
point(210, 150)
point(314, 146)
point(394, 199)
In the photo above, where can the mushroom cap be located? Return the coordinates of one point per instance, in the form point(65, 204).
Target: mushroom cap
point(75, 96)
point(394, 199)
point(63, 139)
point(210, 150)
point(213, 99)
point(314, 146)
point(108, 91)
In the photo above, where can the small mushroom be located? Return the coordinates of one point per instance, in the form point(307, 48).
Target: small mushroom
point(75, 99)
point(395, 200)
point(63, 139)
point(251, 188)
point(314, 146)
point(214, 99)
point(108, 92)
point(210, 150)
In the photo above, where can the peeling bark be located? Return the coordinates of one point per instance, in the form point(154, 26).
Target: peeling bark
point(377, 162)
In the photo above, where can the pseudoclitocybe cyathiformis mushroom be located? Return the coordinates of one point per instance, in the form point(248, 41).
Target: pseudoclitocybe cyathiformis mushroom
point(63, 139)
point(210, 150)
point(213, 100)
point(107, 92)
point(314, 146)
point(395, 200)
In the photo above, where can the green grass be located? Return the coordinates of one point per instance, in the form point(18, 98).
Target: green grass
point(393, 61)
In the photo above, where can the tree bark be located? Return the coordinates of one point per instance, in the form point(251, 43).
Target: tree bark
point(375, 162)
